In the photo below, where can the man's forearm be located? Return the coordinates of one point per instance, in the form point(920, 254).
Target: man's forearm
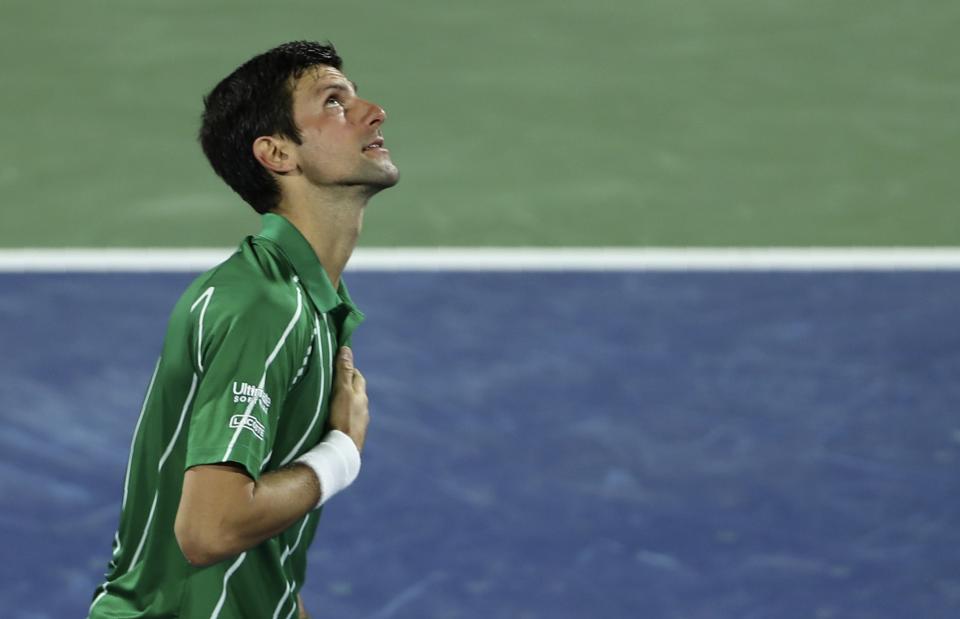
point(276, 501)
point(239, 513)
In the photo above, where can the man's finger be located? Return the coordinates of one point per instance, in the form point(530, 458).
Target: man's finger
point(345, 367)
point(359, 382)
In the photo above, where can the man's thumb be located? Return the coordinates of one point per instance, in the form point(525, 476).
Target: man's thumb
point(345, 358)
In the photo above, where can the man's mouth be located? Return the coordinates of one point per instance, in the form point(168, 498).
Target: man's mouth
point(375, 145)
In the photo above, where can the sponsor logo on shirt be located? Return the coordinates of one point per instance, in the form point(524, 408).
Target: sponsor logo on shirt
point(250, 423)
point(244, 392)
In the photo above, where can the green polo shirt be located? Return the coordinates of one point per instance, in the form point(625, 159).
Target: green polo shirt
point(245, 376)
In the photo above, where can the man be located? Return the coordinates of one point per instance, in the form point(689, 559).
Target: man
point(255, 415)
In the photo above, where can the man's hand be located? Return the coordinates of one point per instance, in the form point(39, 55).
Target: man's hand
point(302, 614)
point(348, 409)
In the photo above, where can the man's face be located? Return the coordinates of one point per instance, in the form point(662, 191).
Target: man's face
point(341, 140)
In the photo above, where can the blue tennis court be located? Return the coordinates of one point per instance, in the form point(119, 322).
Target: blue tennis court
point(669, 445)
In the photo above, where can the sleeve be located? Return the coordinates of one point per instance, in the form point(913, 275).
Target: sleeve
point(246, 364)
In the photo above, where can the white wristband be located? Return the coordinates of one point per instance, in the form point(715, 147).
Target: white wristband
point(336, 462)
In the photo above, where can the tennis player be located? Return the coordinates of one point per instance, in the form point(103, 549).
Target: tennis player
point(255, 416)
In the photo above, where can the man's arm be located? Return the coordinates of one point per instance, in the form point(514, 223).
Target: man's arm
point(223, 511)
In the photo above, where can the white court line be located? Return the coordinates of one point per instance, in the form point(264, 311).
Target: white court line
point(508, 259)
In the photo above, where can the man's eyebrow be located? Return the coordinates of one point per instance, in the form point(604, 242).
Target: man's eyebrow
point(338, 86)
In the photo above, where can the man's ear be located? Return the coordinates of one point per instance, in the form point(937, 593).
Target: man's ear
point(275, 154)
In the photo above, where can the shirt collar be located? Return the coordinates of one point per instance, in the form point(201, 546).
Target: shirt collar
point(301, 256)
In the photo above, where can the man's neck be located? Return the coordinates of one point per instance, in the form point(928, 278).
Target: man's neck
point(332, 227)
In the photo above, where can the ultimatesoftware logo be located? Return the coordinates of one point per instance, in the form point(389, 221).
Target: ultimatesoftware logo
point(243, 392)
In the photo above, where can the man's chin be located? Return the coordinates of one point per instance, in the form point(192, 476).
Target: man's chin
point(389, 175)
point(377, 177)
point(374, 184)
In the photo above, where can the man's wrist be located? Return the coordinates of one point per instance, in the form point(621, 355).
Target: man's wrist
point(336, 463)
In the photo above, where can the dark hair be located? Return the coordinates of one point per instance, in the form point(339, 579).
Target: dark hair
point(256, 100)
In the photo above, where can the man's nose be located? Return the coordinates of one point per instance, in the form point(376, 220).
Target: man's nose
point(377, 115)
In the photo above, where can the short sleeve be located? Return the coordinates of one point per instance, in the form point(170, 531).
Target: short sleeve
point(247, 360)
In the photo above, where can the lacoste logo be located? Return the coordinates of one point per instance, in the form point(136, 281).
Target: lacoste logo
point(243, 392)
point(249, 424)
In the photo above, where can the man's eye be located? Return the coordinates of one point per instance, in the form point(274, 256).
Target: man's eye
point(333, 101)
